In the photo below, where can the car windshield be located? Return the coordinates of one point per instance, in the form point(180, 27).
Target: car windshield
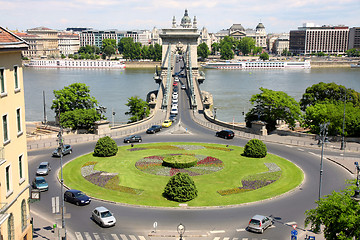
point(79, 194)
point(154, 126)
point(40, 181)
point(42, 166)
point(255, 222)
point(106, 214)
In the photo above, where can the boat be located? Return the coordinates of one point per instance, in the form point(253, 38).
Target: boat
point(62, 63)
point(257, 65)
point(355, 65)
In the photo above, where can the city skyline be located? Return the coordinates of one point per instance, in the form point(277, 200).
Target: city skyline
point(279, 16)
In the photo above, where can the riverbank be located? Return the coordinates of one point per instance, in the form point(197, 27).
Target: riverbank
point(144, 64)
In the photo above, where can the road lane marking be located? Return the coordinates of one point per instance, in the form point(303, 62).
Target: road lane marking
point(241, 230)
point(217, 231)
point(217, 238)
point(142, 238)
point(114, 236)
point(132, 237)
point(300, 149)
point(123, 237)
point(96, 236)
point(78, 236)
point(87, 236)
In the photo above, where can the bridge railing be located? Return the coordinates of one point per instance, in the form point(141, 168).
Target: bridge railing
point(168, 78)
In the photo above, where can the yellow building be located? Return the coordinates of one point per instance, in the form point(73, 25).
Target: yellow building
point(14, 184)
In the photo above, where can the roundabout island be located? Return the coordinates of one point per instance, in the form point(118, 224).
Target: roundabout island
point(137, 175)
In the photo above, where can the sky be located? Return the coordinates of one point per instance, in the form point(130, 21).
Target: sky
point(278, 16)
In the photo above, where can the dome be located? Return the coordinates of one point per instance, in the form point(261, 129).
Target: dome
point(186, 20)
point(260, 25)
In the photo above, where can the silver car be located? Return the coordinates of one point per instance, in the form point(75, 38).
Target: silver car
point(259, 223)
point(103, 217)
point(43, 169)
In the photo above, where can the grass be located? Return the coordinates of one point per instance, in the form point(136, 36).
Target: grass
point(236, 168)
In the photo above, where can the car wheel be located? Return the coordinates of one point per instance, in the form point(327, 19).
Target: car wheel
point(70, 151)
point(139, 140)
point(262, 231)
point(77, 203)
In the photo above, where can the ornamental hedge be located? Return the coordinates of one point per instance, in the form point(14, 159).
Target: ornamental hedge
point(180, 188)
point(105, 147)
point(255, 148)
point(180, 161)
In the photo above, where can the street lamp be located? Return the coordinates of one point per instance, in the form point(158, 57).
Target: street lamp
point(342, 147)
point(60, 151)
point(215, 108)
point(323, 133)
point(181, 230)
point(356, 196)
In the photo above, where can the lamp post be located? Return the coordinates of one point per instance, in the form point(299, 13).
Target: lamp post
point(215, 108)
point(342, 147)
point(356, 196)
point(323, 133)
point(60, 150)
point(181, 230)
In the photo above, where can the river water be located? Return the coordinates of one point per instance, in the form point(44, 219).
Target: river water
point(231, 89)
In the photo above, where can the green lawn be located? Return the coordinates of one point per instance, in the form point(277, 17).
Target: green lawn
point(236, 167)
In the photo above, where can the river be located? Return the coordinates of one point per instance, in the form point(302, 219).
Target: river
point(231, 89)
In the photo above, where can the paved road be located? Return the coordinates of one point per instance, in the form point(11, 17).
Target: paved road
point(210, 223)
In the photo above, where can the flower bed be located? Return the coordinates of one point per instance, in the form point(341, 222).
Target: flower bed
point(204, 165)
point(181, 147)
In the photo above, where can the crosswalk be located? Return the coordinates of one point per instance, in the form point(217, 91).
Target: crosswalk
point(113, 236)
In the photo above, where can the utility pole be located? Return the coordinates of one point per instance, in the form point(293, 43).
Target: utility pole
point(45, 119)
point(343, 127)
point(323, 133)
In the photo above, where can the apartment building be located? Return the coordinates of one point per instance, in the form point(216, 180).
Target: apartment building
point(69, 43)
point(354, 38)
point(47, 40)
point(95, 37)
point(14, 184)
point(311, 39)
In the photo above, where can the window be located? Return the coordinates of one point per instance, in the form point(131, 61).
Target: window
point(16, 77)
point(21, 167)
point(18, 118)
point(5, 128)
point(23, 215)
point(8, 179)
point(2, 81)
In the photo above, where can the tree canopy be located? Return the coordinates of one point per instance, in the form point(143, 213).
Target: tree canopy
point(264, 56)
point(338, 213)
point(203, 50)
point(134, 50)
point(271, 106)
point(226, 51)
point(246, 44)
point(74, 96)
point(139, 109)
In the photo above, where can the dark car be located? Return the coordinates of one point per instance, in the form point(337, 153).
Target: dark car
point(154, 129)
point(77, 197)
point(133, 138)
point(67, 149)
point(172, 117)
point(227, 134)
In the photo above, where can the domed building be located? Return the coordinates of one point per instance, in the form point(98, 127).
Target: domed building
point(186, 20)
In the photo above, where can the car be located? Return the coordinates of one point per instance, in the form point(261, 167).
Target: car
point(175, 95)
point(67, 149)
point(175, 84)
point(154, 129)
point(259, 223)
point(174, 110)
point(172, 117)
point(176, 79)
point(175, 100)
point(175, 89)
point(166, 123)
point(40, 184)
point(132, 138)
point(43, 169)
point(77, 197)
point(103, 217)
point(227, 134)
point(183, 86)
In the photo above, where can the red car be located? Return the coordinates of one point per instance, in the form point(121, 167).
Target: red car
point(175, 84)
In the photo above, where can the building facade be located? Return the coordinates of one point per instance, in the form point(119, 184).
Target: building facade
point(47, 41)
point(327, 39)
point(95, 37)
point(35, 47)
point(69, 43)
point(281, 44)
point(354, 38)
point(14, 184)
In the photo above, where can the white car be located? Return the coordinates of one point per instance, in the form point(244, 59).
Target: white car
point(175, 95)
point(174, 111)
point(174, 105)
point(175, 100)
point(103, 217)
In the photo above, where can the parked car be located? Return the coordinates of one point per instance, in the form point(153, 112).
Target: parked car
point(132, 138)
point(259, 223)
point(227, 134)
point(175, 95)
point(67, 149)
point(175, 100)
point(154, 129)
point(40, 184)
point(172, 117)
point(175, 84)
point(166, 123)
point(175, 89)
point(43, 169)
point(77, 197)
point(103, 217)
point(183, 86)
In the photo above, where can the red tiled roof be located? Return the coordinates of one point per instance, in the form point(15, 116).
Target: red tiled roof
point(7, 37)
point(24, 35)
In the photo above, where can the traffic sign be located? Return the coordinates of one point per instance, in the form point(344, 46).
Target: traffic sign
point(294, 233)
point(293, 237)
point(294, 226)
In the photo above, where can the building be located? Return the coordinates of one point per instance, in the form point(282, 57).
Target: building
point(35, 46)
point(69, 43)
point(354, 38)
point(281, 44)
point(237, 31)
point(14, 184)
point(95, 37)
point(46, 40)
point(311, 39)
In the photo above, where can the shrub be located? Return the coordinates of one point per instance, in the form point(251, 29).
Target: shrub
point(255, 148)
point(180, 188)
point(180, 161)
point(105, 147)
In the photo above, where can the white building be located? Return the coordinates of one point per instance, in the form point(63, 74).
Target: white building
point(69, 43)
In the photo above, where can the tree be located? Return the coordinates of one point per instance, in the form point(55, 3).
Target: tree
point(180, 188)
point(74, 96)
point(108, 51)
point(328, 92)
point(264, 56)
point(139, 109)
point(285, 52)
point(338, 213)
point(123, 42)
point(226, 52)
point(203, 50)
point(246, 44)
point(257, 50)
point(80, 119)
point(105, 147)
point(158, 52)
point(353, 52)
point(271, 106)
point(215, 47)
